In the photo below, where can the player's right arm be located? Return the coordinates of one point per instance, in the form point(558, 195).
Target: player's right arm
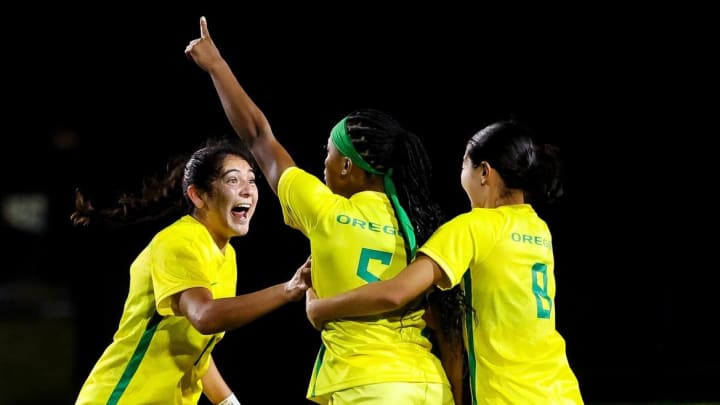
point(248, 121)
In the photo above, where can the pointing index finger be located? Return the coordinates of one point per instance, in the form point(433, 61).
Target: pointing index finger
point(203, 28)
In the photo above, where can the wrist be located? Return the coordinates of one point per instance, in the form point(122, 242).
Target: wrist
point(231, 400)
point(287, 295)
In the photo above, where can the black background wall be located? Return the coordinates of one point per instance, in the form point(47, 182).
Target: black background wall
point(100, 98)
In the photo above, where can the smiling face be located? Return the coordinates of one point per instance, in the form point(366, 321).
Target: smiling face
point(230, 205)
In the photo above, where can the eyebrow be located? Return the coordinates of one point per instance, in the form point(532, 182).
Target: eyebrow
point(235, 170)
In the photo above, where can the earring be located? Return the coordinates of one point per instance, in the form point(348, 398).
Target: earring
point(343, 172)
point(482, 182)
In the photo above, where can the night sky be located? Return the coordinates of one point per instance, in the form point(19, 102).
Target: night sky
point(629, 302)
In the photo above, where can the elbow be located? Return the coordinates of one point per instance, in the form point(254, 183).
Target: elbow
point(247, 136)
point(204, 322)
point(251, 126)
point(394, 300)
point(206, 328)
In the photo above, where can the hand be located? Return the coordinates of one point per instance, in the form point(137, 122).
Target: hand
point(310, 301)
point(203, 50)
point(300, 281)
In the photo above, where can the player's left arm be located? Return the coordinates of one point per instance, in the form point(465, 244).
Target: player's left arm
point(376, 297)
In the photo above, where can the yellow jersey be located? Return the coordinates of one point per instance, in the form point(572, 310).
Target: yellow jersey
point(354, 241)
point(155, 356)
point(504, 258)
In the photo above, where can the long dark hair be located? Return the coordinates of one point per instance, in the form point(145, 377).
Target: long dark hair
point(164, 194)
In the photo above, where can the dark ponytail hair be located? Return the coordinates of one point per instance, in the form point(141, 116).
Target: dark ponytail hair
point(163, 195)
point(546, 173)
point(510, 149)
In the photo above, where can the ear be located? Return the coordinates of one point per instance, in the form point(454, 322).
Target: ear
point(484, 172)
point(485, 168)
point(195, 196)
point(347, 165)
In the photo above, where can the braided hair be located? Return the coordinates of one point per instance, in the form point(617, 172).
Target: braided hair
point(385, 144)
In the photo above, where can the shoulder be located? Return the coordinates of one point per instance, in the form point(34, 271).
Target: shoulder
point(294, 174)
point(185, 231)
point(298, 187)
point(478, 215)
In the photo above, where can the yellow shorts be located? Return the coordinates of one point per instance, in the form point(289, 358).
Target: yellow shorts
point(395, 393)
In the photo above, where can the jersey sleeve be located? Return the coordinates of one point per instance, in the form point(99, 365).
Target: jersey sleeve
point(175, 268)
point(302, 198)
point(460, 242)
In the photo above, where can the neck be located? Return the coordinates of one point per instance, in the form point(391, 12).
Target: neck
point(369, 183)
point(510, 197)
point(219, 240)
point(498, 199)
point(375, 183)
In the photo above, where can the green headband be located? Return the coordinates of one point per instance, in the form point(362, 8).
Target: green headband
point(342, 142)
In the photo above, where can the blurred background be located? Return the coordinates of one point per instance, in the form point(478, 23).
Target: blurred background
point(99, 99)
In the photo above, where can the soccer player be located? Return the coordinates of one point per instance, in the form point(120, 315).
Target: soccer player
point(501, 251)
point(363, 222)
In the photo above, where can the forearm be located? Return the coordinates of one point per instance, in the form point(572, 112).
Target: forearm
point(210, 315)
point(243, 309)
point(248, 121)
point(214, 386)
point(250, 124)
point(450, 348)
point(453, 362)
point(374, 298)
point(369, 299)
point(246, 118)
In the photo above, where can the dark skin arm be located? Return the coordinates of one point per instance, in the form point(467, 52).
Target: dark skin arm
point(248, 121)
point(209, 315)
point(452, 354)
point(389, 295)
point(375, 298)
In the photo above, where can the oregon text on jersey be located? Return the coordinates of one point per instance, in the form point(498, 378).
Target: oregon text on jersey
point(531, 239)
point(371, 226)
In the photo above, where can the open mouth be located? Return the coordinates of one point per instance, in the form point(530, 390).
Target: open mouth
point(241, 210)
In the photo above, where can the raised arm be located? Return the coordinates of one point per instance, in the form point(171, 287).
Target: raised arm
point(377, 297)
point(246, 118)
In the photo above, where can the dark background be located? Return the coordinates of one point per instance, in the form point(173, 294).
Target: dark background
point(99, 98)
